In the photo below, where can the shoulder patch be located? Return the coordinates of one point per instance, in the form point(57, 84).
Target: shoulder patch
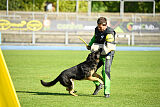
point(109, 38)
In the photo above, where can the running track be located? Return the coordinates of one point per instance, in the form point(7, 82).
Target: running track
point(119, 48)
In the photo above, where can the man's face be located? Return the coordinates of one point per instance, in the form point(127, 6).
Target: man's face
point(101, 27)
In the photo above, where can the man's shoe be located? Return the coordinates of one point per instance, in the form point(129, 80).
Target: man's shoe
point(97, 89)
point(107, 95)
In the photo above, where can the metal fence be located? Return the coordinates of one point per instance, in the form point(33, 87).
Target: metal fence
point(64, 28)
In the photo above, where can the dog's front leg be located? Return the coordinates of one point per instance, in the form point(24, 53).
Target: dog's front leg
point(98, 76)
point(95, 79)
point(71, 91)
point(72, 83)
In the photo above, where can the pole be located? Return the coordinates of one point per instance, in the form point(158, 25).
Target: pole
point(57, 6)
point(33, 37)
point(77, 6)
point(66, 33)
point(66, 38)
point(132, 38)
point(7, 8)
point(129, 40)
point(33, 33)
point(121, 8)
point(154, 8)
point(89, 7)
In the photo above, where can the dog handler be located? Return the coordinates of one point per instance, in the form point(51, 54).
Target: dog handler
point(104, 38)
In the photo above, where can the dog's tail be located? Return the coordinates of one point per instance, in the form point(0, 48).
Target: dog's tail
point(48, 84)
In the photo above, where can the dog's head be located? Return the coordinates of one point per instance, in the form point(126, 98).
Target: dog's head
point(95, 55)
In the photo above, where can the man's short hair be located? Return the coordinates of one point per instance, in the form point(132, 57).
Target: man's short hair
point(102, 20)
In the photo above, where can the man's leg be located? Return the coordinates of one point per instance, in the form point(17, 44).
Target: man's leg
point(106, 74)
point(97, 84)
point(106, 61)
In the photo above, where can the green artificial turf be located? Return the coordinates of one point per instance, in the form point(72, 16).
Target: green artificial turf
point(135, 79)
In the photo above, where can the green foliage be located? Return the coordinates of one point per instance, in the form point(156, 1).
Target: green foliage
point(2, 4)
point(67, 6)
point(70, 6)
point(141, 7)
point(83, 6)
point(23, 5)
point(98, 6)
point(105, 6)
point(158, 6)
point(112, 6)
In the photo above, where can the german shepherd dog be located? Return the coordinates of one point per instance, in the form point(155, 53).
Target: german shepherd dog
point(83, 71)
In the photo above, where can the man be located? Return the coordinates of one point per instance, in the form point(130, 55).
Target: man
point(104, 38)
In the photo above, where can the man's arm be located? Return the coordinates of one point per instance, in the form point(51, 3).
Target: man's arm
point(91, 42)
point(110, 42)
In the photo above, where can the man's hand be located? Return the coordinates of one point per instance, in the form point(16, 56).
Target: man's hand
point(88, 47)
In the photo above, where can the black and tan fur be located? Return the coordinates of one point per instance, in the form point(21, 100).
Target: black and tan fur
point(83, 71)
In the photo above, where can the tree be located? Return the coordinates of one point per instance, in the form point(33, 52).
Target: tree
point(83, 6)
point(3, 5)
point(139, 7)
point(70, 6)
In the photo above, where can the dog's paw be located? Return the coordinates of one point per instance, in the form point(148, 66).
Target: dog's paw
point(72, 93)
point(75, 95)
point(75, 91)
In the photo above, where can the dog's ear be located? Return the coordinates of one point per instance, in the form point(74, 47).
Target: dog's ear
point(89, 57)
point(100, 50)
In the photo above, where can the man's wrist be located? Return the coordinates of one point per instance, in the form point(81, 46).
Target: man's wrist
point(89, 47)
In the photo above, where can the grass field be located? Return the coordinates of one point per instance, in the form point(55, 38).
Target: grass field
point(135, 79)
